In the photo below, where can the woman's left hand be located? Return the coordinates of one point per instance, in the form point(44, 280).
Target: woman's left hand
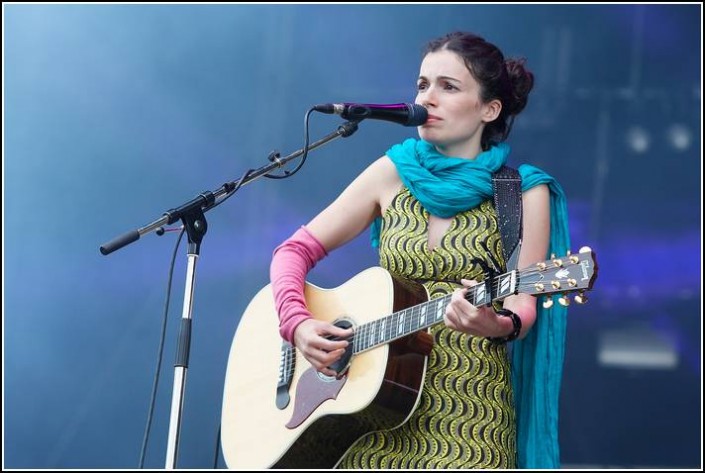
point(482, 321)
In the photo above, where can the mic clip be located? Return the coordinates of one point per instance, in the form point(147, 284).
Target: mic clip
point(274, 157)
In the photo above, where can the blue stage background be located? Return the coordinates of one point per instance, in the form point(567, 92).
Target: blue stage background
point(114, 114)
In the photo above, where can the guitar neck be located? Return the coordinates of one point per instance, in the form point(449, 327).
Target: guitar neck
point(571, 273)
point(419, 317)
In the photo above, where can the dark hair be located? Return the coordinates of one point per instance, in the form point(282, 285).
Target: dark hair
point(508, 81)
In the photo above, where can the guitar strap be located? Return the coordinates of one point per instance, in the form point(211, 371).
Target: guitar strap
point(506, 183)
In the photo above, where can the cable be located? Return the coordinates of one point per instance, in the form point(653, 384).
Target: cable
point(305, 150)
point(217, 449)
point(160, 353)
point(286, 174)
point(273, 157)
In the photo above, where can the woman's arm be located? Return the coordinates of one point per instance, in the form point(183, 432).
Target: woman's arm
point(483, 321)
point(357, 206)
point(352, 212)
point(534, 246)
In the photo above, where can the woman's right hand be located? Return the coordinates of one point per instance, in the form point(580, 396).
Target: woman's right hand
point(313, 339)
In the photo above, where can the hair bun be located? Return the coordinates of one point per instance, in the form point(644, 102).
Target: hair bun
point(522, 81)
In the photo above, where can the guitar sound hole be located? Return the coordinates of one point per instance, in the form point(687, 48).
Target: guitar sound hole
point(325, 378)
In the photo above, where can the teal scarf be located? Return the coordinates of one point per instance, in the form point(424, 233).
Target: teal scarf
point(447, 185)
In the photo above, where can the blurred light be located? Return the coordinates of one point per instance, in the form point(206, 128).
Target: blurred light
point(637, 348)
point(679, 136)
point(638, 139)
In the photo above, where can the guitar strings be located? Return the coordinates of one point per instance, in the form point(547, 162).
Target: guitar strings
point(414, 312)
point(496, 281)
point(368, 328)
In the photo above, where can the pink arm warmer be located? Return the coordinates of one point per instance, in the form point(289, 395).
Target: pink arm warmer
point(291, 262)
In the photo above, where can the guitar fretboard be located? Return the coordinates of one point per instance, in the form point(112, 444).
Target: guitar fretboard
point(410, 320)
point(571, 273)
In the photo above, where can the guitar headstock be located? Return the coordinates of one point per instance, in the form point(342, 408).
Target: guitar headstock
point(568, 274)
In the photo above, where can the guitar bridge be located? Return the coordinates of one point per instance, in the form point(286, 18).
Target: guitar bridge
point(287, 363)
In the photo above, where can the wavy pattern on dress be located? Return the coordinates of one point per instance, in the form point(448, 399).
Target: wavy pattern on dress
point(465, 417)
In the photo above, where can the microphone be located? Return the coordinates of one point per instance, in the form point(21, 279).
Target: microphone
point(407, 114)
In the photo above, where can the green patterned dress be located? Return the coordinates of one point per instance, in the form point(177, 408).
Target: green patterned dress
point(465, 418)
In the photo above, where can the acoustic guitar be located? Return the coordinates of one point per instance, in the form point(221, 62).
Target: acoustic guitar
point(279, 412)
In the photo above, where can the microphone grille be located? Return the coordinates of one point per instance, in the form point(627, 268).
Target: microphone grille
point(417, 115)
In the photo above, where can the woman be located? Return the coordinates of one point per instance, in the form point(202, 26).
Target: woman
point(430, 203)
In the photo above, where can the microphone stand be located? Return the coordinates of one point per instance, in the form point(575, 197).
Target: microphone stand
point(192, 215)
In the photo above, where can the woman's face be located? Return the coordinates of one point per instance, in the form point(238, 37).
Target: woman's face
point(456, 114)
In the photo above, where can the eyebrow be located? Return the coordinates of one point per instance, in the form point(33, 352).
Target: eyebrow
point(448, 78)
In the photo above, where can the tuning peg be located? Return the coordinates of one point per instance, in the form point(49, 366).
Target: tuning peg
point(548, 303)
point(581, 298)
point(585, 249)
point(564, 300)
point(574, 259)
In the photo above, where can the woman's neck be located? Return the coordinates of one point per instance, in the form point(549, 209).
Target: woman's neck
point(466, 150)
point(469, 148)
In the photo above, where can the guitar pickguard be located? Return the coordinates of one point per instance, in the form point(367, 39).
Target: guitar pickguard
point(311, 392)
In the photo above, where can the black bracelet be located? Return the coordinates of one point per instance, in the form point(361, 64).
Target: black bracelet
point(516, 320)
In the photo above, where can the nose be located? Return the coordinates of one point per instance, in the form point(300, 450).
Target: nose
point(428, 98)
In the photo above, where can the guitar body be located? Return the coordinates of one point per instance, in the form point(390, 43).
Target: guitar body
point(279, 412)
point(324, 416)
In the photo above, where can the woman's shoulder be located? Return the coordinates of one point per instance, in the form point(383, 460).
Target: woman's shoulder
point(385, 163)
point(381, 180)
point(378, 177)
point(383, 171)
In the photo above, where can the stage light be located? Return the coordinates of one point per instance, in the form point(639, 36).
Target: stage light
point(679, 136)
point(638, 139)
point(637, 348)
